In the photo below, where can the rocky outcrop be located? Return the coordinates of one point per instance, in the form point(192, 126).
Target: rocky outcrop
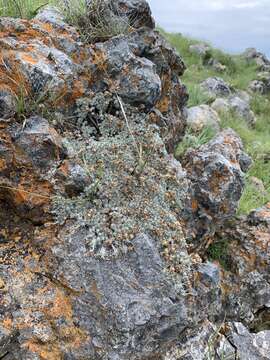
point(216, 171)
point(103, 233)
point(263, 63)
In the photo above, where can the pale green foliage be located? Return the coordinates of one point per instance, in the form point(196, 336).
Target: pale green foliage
point(193, 141)
point(197, 96)
point(25, 9)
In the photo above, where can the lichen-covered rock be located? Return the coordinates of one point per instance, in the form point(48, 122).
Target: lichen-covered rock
point(202, 116)
point(137, 11)
point(251, 54)
point(96, 213)
point(146, 71)
point(236, 104)
point(217, 66)
point(216, 171)
point(248, 346)
point(257, 86)
point(7, 104)
point(200, 49)
point(134, 78)
point(216, 87)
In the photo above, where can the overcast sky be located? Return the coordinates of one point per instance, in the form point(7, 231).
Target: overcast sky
point(229, 24)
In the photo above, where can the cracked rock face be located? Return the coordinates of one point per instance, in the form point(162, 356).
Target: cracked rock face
point(216, 171)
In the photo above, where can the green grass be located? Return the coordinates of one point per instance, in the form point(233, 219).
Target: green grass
point(238, 74)
point(25, 9)
point(193, 141)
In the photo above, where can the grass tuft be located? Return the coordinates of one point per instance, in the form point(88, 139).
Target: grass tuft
point(25, 9)
point(193, 141)
point(96, 21)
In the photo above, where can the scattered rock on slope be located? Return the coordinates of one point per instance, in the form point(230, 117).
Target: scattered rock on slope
point(260, 59)
point(216, 171)
point(199, 117)
point(236, 104)
point(216, 87)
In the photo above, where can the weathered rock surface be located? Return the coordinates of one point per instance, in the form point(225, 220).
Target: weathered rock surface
point(262, 84)
point(263, 63)
point(216, 171)
point(199, 117)
point(216, 87)
point(200, 49)
point(236, 104)
point(249, 346)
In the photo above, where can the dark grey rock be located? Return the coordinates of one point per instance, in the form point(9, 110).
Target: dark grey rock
point(7, 104)
point(218, 179)
point(137, 11)
point(249, 346)
point(142, 309)
point(40, 142)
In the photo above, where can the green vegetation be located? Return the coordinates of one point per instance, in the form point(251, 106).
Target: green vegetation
point(218, 251)
point(256, 140)
point(100, 24)
point(25, 9)
point(192, 140)
point(238, 73)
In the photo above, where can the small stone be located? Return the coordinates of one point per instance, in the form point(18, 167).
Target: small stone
point(200, 49)
point(202, 116)
point(216, 87)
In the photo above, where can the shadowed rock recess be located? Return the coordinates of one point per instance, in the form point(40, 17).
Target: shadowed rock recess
point(103, 233)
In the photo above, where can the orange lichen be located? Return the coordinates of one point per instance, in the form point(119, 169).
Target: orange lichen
point(7, 323)
point(194, 205)
point(28, 58)
point(2, 164)
point(61, 307)
point(44, 351)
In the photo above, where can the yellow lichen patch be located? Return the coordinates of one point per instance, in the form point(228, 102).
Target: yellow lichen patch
point(7, 323)
point(2, 164)
point(44, 351)
point(46, 26)
point(73, 335)
point(28, 58)
point(77, 91)
point(194, 205)
point(164, 102)
point(100, 60)
point(265, 212)
point(61, 307)
point(11, 77)
point(37, 194)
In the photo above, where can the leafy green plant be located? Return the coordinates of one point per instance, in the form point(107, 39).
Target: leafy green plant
point(197, 96)
point(218, 251)
point(25, 9)
point(193, 141)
